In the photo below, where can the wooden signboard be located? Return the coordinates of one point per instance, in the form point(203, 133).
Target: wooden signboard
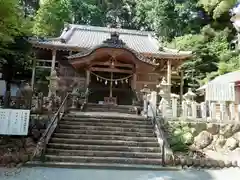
point(14, 121)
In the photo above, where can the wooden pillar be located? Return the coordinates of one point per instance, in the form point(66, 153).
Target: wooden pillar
point(169, 71)
point(87, 77)
point(181, 87)
point(134, 81)
point(54, 53)
point(33, 73)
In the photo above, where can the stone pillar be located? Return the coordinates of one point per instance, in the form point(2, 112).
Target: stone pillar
point(54, 53)
point(213, 113)
point(232, 112)
point(165, 93)
point(184, 109)
point(222, 111)
point(175, 105)
point(238, 112)
point(194, 109)
point(145, 92)
point(204, 110)
point(153, 103)
point(189, 97)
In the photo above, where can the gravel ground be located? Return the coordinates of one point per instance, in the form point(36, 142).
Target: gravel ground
point(40, 173)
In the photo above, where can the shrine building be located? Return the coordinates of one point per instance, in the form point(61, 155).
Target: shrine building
point(113, 63)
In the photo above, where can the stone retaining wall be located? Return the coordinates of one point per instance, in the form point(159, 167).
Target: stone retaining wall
point(205, 144)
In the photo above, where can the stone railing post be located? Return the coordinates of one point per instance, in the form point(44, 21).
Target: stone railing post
point(204, 110)
point(238, 112)
point(163, 107)
point(175, 98)
point(145, 92)
point(222, 111)
point(232, 111)
point(194, 109)
point(152, 110)
point(189, 97)
point(213, 113)
point(184, 109)
point(165, 93)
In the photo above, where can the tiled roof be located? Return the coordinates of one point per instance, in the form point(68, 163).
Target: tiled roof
point(89, 37)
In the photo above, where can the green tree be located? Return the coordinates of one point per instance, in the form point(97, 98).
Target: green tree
point(209, 48)
point(51, 16)
point(29, 7)
point(216, 8)
point(14, 48)
point(169, 18)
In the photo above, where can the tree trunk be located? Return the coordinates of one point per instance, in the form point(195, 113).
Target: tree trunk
point(7, 94)
point(7, 76)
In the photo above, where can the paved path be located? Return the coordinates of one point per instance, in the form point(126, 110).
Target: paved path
point(40, 173)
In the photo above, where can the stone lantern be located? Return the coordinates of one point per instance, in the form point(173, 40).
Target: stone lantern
point(145, 92)
point(189, 106)
point(165, 103)
point(53, 83)
point(189, 96)
point(75, 94)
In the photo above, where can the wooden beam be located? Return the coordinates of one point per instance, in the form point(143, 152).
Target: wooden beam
point(117, 64)
point(111, 70)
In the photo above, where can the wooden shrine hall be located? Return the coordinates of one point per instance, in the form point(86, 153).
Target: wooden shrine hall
point(113, 63)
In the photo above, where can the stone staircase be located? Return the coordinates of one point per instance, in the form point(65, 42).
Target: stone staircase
point(91, 107)
point(97, 139)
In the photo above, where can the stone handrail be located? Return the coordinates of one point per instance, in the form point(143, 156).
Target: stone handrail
point(171, 108)
point(156, 121)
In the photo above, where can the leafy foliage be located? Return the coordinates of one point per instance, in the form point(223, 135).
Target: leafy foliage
point(51, 17)
point(14, 47)
point(212, 55)
point(217, 7)
point(169, 18)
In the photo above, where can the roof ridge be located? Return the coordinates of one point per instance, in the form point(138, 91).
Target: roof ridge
point(106, 29)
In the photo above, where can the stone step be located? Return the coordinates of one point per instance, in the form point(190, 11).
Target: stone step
point(104, 137)
point(99, 109)
point(112, 106)
point(104, 166)
point(103, 124)
point(106, 120)
point(109, 133)
point(62, 152)
point(104, 142)
point(102, 148)
point(99, 128)
point(86, 159)
point(113, 116)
